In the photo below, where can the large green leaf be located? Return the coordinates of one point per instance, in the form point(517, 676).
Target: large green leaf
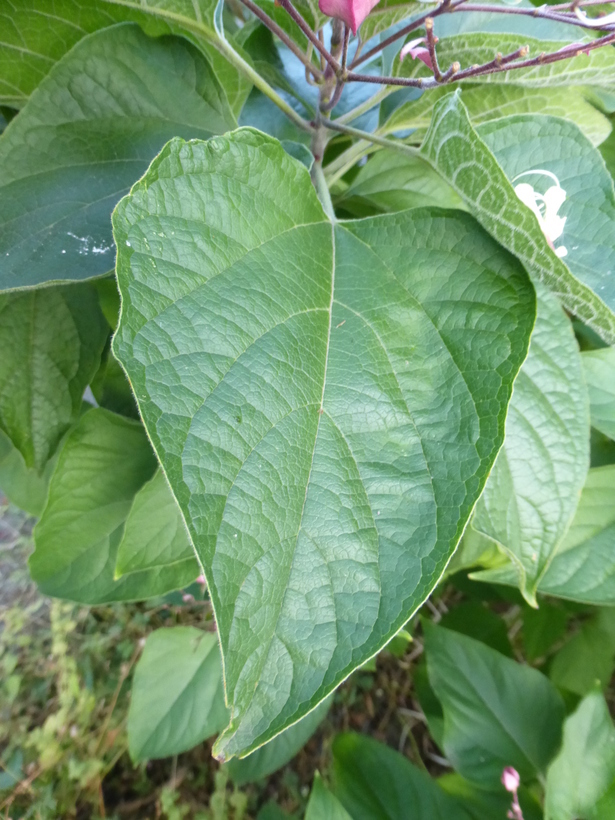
point(155, 536)
point(534, 488)
point(373, 782)
point(279, 751)
point(599, 368)
point(196, 20)
point(51, 341)
point(177, 694)
point(492, 102)
point(497, 712)
point(104, 461)
point(86, 134)
point(584, 769)
point(35, 34)
point(460, 155)
point(326, 402)
point(476, 48)
point(583, 568)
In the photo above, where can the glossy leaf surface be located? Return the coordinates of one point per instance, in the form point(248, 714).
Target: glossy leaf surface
point(86, 134)
point(326, 412)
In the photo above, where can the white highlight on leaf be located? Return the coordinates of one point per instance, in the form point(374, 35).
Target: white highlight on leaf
point(545, 206)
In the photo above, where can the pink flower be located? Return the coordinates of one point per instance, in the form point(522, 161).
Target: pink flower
point(510, 779)
point(352, 12)
point(417, 53)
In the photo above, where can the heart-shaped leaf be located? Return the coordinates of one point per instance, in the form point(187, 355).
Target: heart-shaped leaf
point(326, 400)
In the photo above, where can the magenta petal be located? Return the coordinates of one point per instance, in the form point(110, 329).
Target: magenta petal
point(352, 12)
point(417, 52)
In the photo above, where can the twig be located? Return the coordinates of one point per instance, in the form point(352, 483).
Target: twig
point(431, 47)
point(334, 125)
point(313, 38)
point(283, 36)
point(345, 47)
point(443, 8)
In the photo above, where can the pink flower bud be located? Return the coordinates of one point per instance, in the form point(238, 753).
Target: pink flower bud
point(201, 580)
point(352, 12)
point(419, 53)
point(510, 779)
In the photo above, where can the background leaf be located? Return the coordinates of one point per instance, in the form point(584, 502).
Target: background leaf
point(155, 536)
point(105, 460)
point(497, 712)
point(533, 490)
point(375, 783)
point(492, 102)
point(177, 694)
point(599, 369)
point(86, 134)
point(583, 566)
point(585, 767)
point(51, 341)
point(323, 803)
point(235, 337)
point(588, 658)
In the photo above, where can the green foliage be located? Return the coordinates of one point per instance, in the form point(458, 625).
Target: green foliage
point(345, 370)
point(177, 697)
point(584, 770)
point(497, 713)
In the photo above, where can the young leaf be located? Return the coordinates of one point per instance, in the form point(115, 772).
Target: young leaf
point(279, 751)
point(104, 461)
point(584, 769)
point(599, 368)
point(51, 341)
point(486, 103)
point(497, 712)
point(155, 536)
point(534, 488)
point(326, 401)
point(460, 155)
point(323, 803)
point(177, 694)
point(87, 132)
point(373, 782)
point(583, 568)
